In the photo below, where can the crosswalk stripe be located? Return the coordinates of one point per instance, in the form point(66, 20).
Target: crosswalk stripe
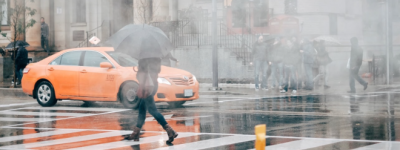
point(125, 143)
point(211, 143)
point(25, 119)
point(36, 135)
point(44, 113)
point(66, 140)
point(381, 146)
point(75, 108)
point(303, 144)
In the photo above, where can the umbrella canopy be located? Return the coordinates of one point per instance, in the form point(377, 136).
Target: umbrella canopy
point(328, 39)
point(18, 44)
point(141, 41)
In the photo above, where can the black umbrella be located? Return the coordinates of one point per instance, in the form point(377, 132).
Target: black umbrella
point(18, 44)
point(141, 41)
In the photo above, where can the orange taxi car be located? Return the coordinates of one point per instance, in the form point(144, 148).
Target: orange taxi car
point(101, 74)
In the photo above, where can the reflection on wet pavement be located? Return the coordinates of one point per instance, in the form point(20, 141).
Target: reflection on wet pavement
point(362, 121)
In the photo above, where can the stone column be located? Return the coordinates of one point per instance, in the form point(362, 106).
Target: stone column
point(173, 10)
point(33, 33)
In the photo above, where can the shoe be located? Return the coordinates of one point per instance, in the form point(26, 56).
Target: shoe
point(351, 92)
point(327, 86)
point(135, 134)
point(294, 91)
point(283, 91)
point(171, 133)
point(365, 86)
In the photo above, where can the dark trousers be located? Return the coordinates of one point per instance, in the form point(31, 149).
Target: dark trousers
point(149, 105)
point(290, 75)
point(45, 45)
point(260, 66)
point(309, 79)
point(354, 76)
point(18, 73)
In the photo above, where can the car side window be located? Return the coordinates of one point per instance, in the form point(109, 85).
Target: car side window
point(56, 61)
point(71, 59)
point(93, 59)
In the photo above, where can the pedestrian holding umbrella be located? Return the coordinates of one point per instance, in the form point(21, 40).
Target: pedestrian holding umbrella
point(148, 44)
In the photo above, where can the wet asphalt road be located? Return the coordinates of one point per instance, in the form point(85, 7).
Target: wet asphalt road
point(367, 121)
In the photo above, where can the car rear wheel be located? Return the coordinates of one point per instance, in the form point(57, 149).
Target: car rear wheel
point(128, 95)
point(176, 104)
point(45, 94)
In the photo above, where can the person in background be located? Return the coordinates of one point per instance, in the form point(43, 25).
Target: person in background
point(276, 63)
point(309, 54)
point(292, 58)
point(44, 34)
point(323, 61)
point(260, 63)
point(355, 62)
point(166, 61)
point(21, 60)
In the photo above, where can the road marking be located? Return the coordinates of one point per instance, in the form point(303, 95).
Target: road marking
point(303, 144)
point(381, 146)
point(211, 143)
point(67, 140)
point(125, 143)
point(25, 119)
point(37, 135)
point(43, 113)
point(19, 104)
point(75, 108)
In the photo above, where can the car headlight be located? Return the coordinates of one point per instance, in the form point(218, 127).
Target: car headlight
point(194, 78)
point(163, 81)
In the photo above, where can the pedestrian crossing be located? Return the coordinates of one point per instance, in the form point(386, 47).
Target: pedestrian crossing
point(114, 139)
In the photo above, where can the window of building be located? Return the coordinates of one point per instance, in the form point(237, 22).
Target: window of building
point(290, 7)
point(80, 11)
point(4, 5)
point(238, 13)
point(261, 13)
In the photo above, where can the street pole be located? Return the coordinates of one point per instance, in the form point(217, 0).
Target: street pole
point(388, 42)
point(215, 51)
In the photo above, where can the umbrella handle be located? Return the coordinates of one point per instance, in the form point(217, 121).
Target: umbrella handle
point(134, 69)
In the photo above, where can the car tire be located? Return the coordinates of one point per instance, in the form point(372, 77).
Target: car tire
point(128, 95)
point(45, 94)
point(176, 104)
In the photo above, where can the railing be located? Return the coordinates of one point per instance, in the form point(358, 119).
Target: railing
point(89, 34)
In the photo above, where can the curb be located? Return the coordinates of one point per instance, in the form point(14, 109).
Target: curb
point(12, 92)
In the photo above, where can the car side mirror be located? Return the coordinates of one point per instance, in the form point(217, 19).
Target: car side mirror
point(106, 65)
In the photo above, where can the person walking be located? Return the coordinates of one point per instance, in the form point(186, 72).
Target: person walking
point(323, 61)
point(149, 68)
point(354, 64)
point(309, 54)
point(166, 61)
point(292, 58)
point(21, 60)
point(260, 63)
point(276, 63)
point(44, 33)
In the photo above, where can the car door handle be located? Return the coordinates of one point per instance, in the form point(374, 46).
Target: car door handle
point(51, 69)
point(83, 71)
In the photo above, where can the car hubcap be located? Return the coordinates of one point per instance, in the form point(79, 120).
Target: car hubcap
point(44, 93)
point(131, 95)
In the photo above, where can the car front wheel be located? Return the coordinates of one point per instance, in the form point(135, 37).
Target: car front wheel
point(45, 94)
point(128, 95)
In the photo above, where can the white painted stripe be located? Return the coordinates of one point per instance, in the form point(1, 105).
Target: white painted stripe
point(211, 143)
point(44, 113)
point(18, 104)
point(74, 108)
point(302, 144)
point(36, 135)
point(66, 140)
point(125, 143)
point(381, 146)
point(25, 119)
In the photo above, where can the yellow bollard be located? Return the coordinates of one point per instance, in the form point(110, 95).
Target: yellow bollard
point(260, 131)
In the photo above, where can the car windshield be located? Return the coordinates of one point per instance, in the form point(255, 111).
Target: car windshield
point(123, 59)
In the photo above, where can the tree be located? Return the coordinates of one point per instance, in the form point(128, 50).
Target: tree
point(145, 10)
point(20, 20)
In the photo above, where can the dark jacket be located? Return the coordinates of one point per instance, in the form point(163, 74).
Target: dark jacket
point(277, 53)
point(356, 57)
point(323, 56)
point(21, 60)
point(309, 54)
point(260, 51)
point(44, 28)
point(292, 55)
